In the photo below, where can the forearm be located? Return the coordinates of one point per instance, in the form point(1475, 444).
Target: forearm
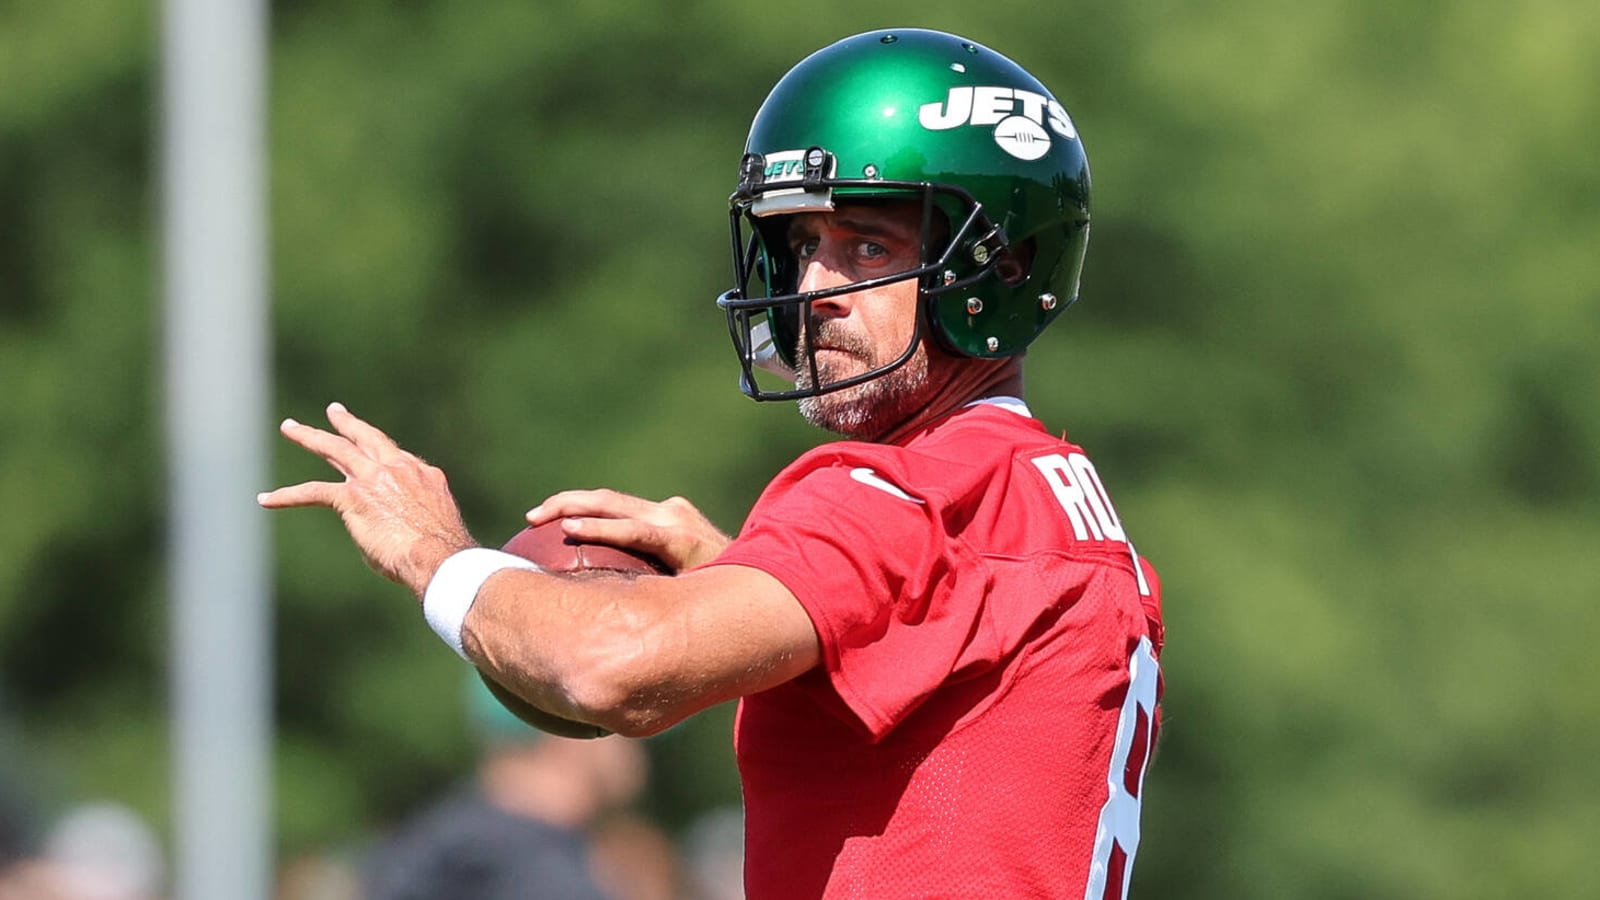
point(594, 649)
point(636, 655)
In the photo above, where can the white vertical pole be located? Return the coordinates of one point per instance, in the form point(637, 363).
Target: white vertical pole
point(217, 418)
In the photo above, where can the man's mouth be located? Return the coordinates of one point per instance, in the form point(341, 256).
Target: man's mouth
point(836, 356)
point(837, 343)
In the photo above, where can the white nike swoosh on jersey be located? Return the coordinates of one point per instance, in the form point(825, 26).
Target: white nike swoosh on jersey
point(872, 479)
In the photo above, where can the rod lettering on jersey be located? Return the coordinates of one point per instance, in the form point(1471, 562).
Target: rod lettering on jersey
point(1083, 498)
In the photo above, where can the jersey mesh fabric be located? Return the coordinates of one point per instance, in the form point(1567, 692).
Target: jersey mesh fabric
point(956, 740)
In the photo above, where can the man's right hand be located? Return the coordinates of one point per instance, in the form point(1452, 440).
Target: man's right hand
point(673, 530)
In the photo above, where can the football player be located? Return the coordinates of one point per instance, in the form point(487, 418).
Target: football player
point(943, 642)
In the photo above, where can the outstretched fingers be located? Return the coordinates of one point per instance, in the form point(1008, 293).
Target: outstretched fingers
point(372, 441)
point(397, 508)
point(307, 493)
point(339, 451)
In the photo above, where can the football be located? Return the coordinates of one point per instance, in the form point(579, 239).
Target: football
point(554, 551)
point(550, 547)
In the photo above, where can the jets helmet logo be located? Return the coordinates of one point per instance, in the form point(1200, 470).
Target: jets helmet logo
point(1018, 116)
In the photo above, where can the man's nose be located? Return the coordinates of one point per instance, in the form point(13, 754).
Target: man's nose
point(819, 275)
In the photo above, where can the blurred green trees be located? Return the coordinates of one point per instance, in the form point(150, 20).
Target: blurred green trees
point(1338, 358)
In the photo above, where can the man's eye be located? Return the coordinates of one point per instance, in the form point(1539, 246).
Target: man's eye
point(871, 250)
point(806, 248)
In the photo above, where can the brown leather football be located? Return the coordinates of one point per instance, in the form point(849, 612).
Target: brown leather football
point(554, 551)
point(550, 547)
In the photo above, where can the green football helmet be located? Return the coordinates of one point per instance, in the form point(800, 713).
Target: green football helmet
point(902, 114)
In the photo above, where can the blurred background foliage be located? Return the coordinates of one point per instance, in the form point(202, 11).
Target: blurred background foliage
point(1338, 357)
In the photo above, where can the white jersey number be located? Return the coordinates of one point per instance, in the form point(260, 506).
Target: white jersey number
point(1116, 838)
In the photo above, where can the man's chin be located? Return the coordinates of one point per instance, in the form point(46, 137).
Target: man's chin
point(843, 411)
point(871, 409)
point(830, 413)
point(863, 411)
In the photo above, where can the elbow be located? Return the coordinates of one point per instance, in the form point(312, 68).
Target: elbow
point(624, 682)
point(640, 724)
point(619, 704)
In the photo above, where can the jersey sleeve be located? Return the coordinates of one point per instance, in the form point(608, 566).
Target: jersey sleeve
point(898, 603)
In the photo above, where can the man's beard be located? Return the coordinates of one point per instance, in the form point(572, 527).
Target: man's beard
point(873, 408)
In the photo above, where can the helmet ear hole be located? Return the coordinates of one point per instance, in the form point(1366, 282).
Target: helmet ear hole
point(775, 262)
point(1014, 263)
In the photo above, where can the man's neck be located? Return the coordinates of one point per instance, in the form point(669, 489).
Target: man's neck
point(969, 381)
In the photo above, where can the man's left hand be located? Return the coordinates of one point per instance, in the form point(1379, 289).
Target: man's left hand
point(397, 508)
point(670, 530)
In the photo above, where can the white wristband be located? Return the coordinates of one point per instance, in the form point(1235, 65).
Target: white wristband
point(455, 585)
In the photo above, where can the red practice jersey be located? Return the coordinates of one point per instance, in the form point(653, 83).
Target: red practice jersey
point(986, 704)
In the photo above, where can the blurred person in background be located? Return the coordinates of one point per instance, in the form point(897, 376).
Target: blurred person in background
point(105, 851)
point(521, 829)
point(319, 875)
point(15, 843)
point(943, 642)
point(634, 859)
point(713, 854)
point(23, 874)
point(96, 851)
point(32, 879)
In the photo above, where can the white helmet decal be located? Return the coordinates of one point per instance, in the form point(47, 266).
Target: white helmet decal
point(1022, 137)
point(1019, 117)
